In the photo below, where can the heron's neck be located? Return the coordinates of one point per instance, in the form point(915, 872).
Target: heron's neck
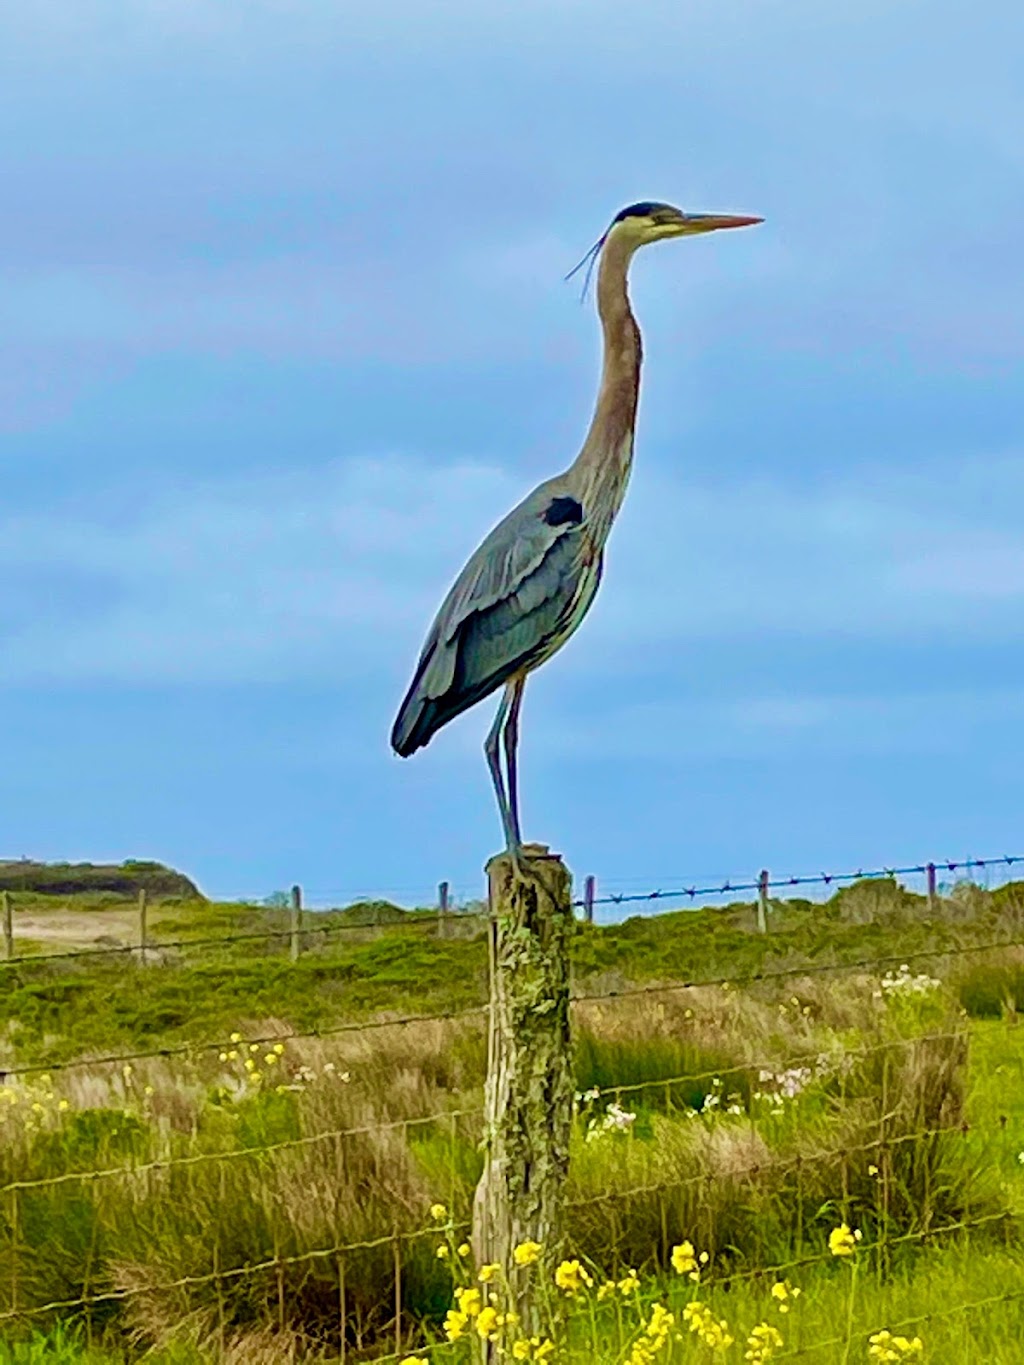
point(601, 470)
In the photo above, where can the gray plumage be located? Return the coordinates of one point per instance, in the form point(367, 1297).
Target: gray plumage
point(531, 582)
point(518, 596)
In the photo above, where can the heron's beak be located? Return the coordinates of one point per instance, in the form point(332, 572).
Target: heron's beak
point(691, 223)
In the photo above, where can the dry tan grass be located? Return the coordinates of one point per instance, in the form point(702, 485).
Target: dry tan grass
point(744, 1187)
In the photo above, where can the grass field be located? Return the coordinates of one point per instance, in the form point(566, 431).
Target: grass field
point(809, 1082)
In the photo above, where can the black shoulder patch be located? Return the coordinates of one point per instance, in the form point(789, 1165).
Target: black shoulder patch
point(562, 510)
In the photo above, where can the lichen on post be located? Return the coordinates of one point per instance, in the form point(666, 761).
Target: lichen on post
point(529, 1094)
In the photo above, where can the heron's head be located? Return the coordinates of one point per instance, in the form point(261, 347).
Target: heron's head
point(650, 222)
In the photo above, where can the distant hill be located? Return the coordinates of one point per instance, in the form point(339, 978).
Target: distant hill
point(70, 879)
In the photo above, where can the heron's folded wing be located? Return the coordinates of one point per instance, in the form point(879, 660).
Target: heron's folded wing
point(506, 600)
point(520, 629)
point(505, 563)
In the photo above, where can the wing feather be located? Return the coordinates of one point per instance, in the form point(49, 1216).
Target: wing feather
point(501, 615)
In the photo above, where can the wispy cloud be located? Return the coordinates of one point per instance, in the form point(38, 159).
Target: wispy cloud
point(336, 571)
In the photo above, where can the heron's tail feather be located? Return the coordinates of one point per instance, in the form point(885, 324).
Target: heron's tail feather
point(420, 715)
point(437, 694)
point(415, 724)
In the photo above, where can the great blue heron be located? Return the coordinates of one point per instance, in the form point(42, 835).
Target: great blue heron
point(531, 582)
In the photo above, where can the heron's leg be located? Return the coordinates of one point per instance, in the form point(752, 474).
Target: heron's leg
point(511, 747)
point(494, 763)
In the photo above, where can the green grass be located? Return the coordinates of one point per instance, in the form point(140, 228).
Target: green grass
point(757, 1187)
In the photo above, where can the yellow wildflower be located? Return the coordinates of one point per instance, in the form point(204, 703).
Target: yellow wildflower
point(884, 1346)
point(271, 1059)
point(236, 1037)
point(872, 1170)
point(534, 1349)
point(487, 1273)
point(763, 1342)
point(222, 1056)
point(442, 1252)
point(527, 1253)
point(607, 1290)
point(712, 1331)
point(683, 1258)
point(571, 1277)
point(464, 1249)
point(455, 1324)
point(438, 1212)
point(629, 1283)
point(469, 1301)
point(279, 1049)
point(487, 1323)
point(660, 1323)
point(414, 1360)
point(782, 1291)
point(843, 1242)
point(254, 1047)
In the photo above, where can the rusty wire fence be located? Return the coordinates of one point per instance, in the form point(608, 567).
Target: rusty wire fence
point(281, 1182)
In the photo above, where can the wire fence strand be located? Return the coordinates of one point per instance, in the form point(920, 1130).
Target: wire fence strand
point(831, 1062)
point(814, 879)
point(760, 1064)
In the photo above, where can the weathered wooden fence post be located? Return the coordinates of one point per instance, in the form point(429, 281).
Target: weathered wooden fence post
point(588, 900)
point(8, 917)
point(762, 901)
point(143, 925)
point(528, 1101)
point(932, 896)
point(296, 922)
point(442, 910)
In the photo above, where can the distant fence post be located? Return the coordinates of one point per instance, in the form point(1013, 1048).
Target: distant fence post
point(762, 901)
point(5, 903)
point(588, 900)
point(143, 917)
point(442, 909)
point(296, 924)
point(932, 896)
point(528, 1098)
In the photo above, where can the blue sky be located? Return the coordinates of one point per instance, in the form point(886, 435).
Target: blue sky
point(284, 332)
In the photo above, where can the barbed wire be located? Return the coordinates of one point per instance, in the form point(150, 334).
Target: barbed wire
point(417, 919)
point(223, 1045)
point(779, 1066)
point(806, 969)
point(216, 1276)
point(831, 1067)
point(1009, 1296)
point(237, 1154)
point(775, 1065)
point(795, 1351)
point(396, 1237)
point(731, 979)
point(877, 1145)
point(815, 879)
point(156, 945)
